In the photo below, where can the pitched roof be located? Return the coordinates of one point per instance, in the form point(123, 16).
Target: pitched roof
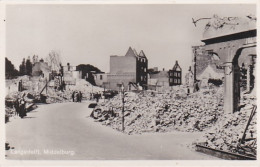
point(176, 66)
point(131, 52)
point(141, 54)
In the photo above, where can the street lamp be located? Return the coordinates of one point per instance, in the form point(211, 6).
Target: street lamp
point(123, 106)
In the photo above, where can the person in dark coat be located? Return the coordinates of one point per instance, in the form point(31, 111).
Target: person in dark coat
point(73, 95)
point(16, 106)
point(22, 109)
point(80, 96)
point(77, 96)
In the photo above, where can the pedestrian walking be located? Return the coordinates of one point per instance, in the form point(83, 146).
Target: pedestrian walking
point(20, 86)
point(22, 108)
point(80, 96)
point(73, 95)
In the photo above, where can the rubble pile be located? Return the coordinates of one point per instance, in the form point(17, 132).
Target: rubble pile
point(12, 99)
point(32, 87)
point(85, 87)
point(163, 112)
point(227, 133)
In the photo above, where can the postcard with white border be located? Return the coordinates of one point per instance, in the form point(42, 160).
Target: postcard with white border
point(129, 81)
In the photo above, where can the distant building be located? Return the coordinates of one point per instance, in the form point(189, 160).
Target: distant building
point(175, 75)
point(210, 72)
point(101, 80)
point(202, 59)
point(70, 75)
point(130, 69)
point(159, 81)
point(41, 68)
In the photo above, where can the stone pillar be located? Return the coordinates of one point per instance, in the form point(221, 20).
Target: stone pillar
point(228, 89)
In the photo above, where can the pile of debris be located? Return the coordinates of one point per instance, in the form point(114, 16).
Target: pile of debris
point(14, 100)
point(162, 112)
point(228, 133)
point(85, 87)
point(33, 93)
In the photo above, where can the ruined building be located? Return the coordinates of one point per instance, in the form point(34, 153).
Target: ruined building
point(158, 80)
point(206, 66)
point(41, 68)
point(175, 75)
point(129, 70)
point(70, 75)
point(232, 40)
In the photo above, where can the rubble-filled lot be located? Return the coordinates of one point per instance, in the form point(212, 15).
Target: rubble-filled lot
point(31, 93)
point(175, 110)
point(162, 112)
point(229, 130)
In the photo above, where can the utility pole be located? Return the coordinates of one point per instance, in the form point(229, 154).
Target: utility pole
point(195, 63)
point(123, 107)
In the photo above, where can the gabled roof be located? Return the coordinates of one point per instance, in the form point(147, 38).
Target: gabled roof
point(176, 67)
point(131, 52)
point(141, 54)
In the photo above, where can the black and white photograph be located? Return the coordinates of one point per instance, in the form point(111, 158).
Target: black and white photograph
point(133, 81)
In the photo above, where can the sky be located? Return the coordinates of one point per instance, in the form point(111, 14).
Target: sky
point(91, 33)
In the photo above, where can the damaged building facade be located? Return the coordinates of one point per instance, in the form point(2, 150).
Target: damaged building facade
point(230, 43)
point(129, 70)
point(41, 68)
point(70, 75)
point(175, 75)
point(207, 67)
point(159, 80)
point(164, 80)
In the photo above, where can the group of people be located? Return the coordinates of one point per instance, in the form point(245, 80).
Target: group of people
point(76, 96)
point(95, 96)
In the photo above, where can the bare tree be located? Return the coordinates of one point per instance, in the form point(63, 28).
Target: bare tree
point(54, 60)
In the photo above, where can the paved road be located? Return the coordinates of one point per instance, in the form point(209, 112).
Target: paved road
point(65, 131)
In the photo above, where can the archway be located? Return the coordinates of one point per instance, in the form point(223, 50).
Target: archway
point(236, 93)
